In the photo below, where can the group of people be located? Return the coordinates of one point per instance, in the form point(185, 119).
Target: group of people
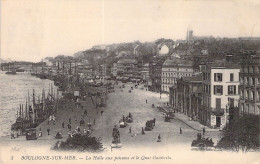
point(52, 118)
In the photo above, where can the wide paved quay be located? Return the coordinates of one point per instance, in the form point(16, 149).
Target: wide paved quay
point(119, 103)
point(173, 146)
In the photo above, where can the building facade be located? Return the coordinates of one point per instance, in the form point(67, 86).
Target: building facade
point(127, 67)
point(174, 69)
point(250, 85)
point(114, 70)
point(155, 74)
point(145, 72)
point(220, 92)
point(185, 96)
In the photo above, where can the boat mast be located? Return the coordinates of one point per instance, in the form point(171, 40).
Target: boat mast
point(43, 99)
point(26, 116)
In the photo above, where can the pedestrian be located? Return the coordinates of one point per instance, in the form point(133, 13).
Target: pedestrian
point(62, 124)
point(180, 130)
point(159, 138)
point(203, 130)
point(48, 131)
point(154, 121)
point(40, 133)
point(143, 133)
point(70, 120)
point(130, 129)
point(12, 135)
point(146, 101)
point(94, 121)
point(69, 127)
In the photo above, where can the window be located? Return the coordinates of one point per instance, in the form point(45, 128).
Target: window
point(206, 89)
point(241, 80)
point(245, 70)
point(247, 94)
point(218, 89)
point(253, 95)
point(218, 103)
point(251, 69)
point(231, 77)
point(218, 77)
point(231, 89)
point(250, 81)
point(231, 102)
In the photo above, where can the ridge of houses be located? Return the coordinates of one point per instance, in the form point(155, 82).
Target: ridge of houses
point(206, 88)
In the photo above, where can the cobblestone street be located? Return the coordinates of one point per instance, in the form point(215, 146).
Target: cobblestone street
point(121, 102)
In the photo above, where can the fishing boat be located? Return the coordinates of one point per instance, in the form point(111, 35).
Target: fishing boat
point(34, 113)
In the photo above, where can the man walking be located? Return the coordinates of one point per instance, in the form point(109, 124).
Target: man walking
point(48, 131)
point(203, 130)
point(143, 131)
point(159, 138)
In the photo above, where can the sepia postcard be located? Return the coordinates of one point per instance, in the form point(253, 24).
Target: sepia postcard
point(130, 81)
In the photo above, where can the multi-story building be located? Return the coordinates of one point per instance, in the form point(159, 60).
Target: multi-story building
point(173, 70)
point(105, 70)
point(155, 73)
point(114, 70)
point(127, 67)
point(250, 85)
point(185, 96)
point(220, 92)
point(145, 72)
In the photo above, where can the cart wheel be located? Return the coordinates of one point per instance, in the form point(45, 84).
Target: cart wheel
point(201, 146)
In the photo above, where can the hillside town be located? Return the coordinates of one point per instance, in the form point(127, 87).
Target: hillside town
point(207, 81)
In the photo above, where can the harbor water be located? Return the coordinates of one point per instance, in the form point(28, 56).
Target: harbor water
point(13, 92)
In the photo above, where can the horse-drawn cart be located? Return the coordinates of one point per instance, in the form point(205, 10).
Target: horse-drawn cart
point(202, 143)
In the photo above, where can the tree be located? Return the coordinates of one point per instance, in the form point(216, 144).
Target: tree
point(80, 143)
point(241, 132)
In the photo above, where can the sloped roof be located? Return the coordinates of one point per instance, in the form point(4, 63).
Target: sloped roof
point(177, 62)
point(223, 64)
point(122, 61)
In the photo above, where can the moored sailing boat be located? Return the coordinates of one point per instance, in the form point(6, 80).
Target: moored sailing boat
point(34, 113)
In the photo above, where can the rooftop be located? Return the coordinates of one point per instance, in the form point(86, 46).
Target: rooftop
point(122, 61)
point(197, 78)
point(223, 64)
point(177, 62)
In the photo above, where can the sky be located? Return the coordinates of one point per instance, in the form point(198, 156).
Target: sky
point(34, 29)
